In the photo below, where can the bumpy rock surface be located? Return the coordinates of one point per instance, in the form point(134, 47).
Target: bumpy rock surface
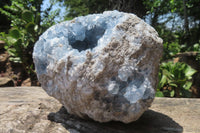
point(101, 66)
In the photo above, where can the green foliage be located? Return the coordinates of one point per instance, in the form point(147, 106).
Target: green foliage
point(25, 16)
point(175, 80)
point(177, 17)
point(22, 36)
point(196, 48)
point(75, 8)
point(48, 16)
point(28, 16)
point(170, 49)
point(179, 27)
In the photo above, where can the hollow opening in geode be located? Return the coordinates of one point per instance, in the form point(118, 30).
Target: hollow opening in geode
point(91, 39)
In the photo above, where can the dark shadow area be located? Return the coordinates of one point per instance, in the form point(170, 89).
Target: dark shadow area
point(149, 122)
point(90, 41)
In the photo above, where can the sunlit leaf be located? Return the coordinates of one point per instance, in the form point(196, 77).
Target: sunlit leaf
point(163, 81)
point(36, 28)
point(6, 47)
point(172, 93)
point(10, 40)
point(173, 84)
point(15, 59)
point(189, 72)
point(12, 51)
point(187, 85)
point(196, 47)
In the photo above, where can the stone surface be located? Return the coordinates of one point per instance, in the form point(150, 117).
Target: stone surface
point(101, 66)
point(31, 110)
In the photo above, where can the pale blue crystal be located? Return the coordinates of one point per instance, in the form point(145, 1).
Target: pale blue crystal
point(77, 36)
point(102, 66)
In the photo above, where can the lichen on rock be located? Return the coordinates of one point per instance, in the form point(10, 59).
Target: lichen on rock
point(100, 66)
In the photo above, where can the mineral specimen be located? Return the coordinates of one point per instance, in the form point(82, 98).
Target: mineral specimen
point(100, 66)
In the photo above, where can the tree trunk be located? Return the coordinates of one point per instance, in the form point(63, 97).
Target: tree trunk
point(186, 23)
point(154, 19)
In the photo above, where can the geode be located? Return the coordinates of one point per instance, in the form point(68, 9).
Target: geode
point(100, 66)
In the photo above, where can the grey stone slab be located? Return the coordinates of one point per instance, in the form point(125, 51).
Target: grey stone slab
point(30, 109)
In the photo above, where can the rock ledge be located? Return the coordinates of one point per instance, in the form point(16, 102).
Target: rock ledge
point(31, 110)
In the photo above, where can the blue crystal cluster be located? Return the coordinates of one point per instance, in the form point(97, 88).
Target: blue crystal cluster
point(100, 66)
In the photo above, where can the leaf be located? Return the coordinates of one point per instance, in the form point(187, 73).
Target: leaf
point(189, 72)
point(12, 52)
point(6, 47)
point(10, 40)
point(37, 18)
point(187, 85)
point(163, 81)
point(17, 44)
point(27, 16)
point(36, 28)
point(196, 47)
point(168, 74)
point(172, 93)
point(159, 94)
point(15, 33)
point(15, 59)
point(173, 84)
point(30, 27)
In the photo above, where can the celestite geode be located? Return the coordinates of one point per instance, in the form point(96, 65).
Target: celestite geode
point(100, 66)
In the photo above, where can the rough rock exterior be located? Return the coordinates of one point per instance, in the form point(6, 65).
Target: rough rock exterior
point(101, 66)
